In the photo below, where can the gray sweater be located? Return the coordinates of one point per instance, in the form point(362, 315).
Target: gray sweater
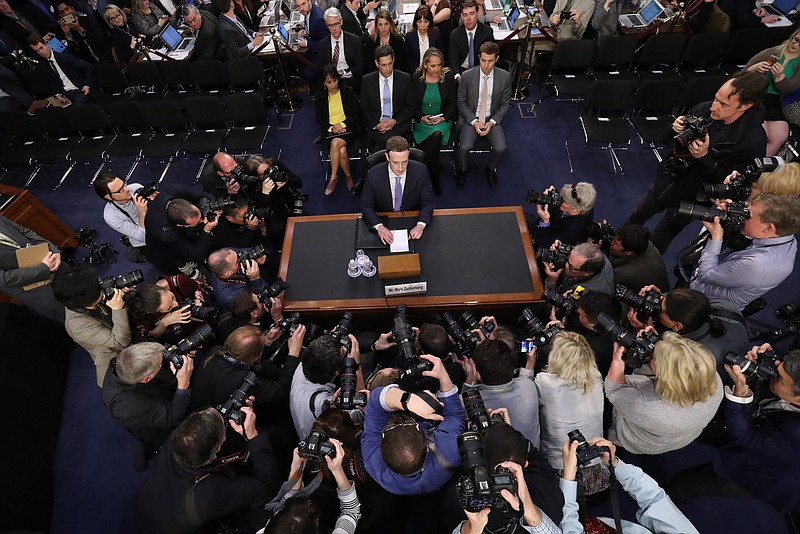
point(521, 399)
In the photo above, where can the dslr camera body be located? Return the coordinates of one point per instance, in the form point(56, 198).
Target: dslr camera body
point(557, 257)
point(732, 219)
point(464, 341)
point(586, 453)
point(341, 332)
point(232, 409)
point(174, 353)
point(765, 368)
point(316, 446)
point(349, 398)
point(410, 377)
point(550, 198)
point(560, 301)
point(478, 487)
point(638, 350)
point(694, 128)
point(477, 416)
point(209, 207)
point(252, 253)
point(646, 306)
point(121, 281)
point(540, 334)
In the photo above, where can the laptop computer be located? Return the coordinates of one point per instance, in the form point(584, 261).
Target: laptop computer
point(173, 39)
point(781, 8)
point(288, 37)
point(271, 14)
point(643, 18)
point(507, 24)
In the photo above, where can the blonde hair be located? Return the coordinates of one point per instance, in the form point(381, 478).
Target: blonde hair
point(785, 181)
point(385, 15)
point(112, 10)
point(572, 360)
point(783, 48)
point(137, 6)
point(686, 372)
point(430, 52)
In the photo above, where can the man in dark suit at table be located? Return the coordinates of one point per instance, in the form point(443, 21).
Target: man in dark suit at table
point(397, 185)
point(66, 74)
point(208, 44)
point(342, 50)
point(239, 41)
point(484, 96)
point(466, 40)
point(386, 115)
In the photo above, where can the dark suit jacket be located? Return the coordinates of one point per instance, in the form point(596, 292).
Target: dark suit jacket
point(352, 112)
point(397, 43)
point(10, 85)
point(121, 42)
point(317, 30)
point(353, 54)
point(459, 45)
point(469, 87)
point(448, 92)
point(403, 103)
point(77, 70)
point(412, 47)
point(417, 194)
point(235, 40)
point(352, 23)
point(209, 43)
point(36, 16)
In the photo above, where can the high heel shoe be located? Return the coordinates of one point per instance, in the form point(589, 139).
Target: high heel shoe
point(349, 182)
point(331, 186)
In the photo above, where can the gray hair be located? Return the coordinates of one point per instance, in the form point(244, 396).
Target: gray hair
point(594, 260)
point(188, 9)
point(137, 361)
point(333, 13)
point(580, 196)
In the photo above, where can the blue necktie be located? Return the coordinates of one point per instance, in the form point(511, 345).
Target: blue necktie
point(398, 193)
point(471, 58)
point(387, 100)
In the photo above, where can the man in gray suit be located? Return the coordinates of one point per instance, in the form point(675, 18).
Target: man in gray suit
point(484, 96)
point(13, 278)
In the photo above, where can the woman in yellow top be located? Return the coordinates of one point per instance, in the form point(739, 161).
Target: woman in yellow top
point(337, 114)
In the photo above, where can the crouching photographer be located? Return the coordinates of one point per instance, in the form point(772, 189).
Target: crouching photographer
point(564, 215)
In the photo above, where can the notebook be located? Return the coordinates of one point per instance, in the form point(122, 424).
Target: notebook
point(644, 17)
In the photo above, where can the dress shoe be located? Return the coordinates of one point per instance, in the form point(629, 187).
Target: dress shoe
point(491, 176)
point(461, 178)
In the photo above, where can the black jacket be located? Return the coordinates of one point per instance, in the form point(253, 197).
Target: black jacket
point(208, 44)
point(77, 70)
point(397, 43)
point(353, 54)
point(448, 92)
point(412, 46)
point(352, 110)
point(569, 229)
point(403, 102)
point(459, 45)
point(635, 272)
point(353, 23)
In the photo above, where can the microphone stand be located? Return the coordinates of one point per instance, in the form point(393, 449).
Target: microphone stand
point(287, 102)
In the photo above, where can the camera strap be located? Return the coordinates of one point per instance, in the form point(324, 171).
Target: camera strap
point(614, 498)
point(312, 402)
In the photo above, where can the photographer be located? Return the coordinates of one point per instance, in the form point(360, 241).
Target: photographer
point(313, 384)
point(568, 223)
point(406, 457)
point(586, 266)
point(656, 512)
point(155, 309)
point(636, 260)
point(666, 411)
point(231, 277)
point(124, 212)
point(762, 460)
point(247, 309)
point(240, 227)
point(733, 139)
point(743, 276)
point(590, 305)
point(99, 326)
point(180, 237)
point(145, 397)
point(187, 493)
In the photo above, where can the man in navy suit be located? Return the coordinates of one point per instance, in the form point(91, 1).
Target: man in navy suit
point(314, 28)
point(386, 115)
point(397, 185)
point(343, 48)
point(68, 75)
point(462, 55)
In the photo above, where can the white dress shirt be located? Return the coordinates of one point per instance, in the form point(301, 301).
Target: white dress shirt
point(68, 85)
point(341, 65)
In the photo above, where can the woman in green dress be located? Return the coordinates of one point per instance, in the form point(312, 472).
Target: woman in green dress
point(435, 90)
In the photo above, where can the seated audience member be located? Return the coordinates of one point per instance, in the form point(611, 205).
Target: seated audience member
point(636, 259)
point(421, 37)
point(124, 212)
point(66, 75)
point(185, 472)
point(84, 33)
point(314, 30)
point(397, 185)
point(41, 14)
point(15, 98)
point(743, 276)
point(436, 112)
point(354, 18)
point(231, 277)
point(591, 304)
point(493, 376)
point(570, 18)
point(14, 23)
point(338, 115)
point(484, 17)
point(433, 339)
point(121, 32)
point(666, 411)
point(605, 17)
point(147, 397)
point(442, 21)
point(385, 33)
point(208, 44)
point(396, 450)
point(484, 97)
point(14, 278)
point(97, 324)
point(247, 12)
point(239, 41)
point(586, 266)
point(180, 237)
point(148, 17)
point(313, 382)
point(762, 459)
point(293, 514)
point(157, 312)
point(697, 14)
point(656, 511)
point(569, 225)
point(341, 50)
point(466, 41)
point(386, 101)
point(570, 394)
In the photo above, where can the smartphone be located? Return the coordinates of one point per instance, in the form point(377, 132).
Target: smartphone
point(56, 44)
point(436, 116)
point(526, 345)
point(772, 59)
point(68, 19)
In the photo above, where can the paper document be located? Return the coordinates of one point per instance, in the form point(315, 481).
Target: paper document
point(410, 8)
point(31, 257)
point(399, 242)
point(406, 19)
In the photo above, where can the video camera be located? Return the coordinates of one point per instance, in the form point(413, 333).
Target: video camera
point(694, 128)
point(557, 257)
point(410, 377)
point(341, 332)
point(464, 341)
point(638, 350)
point(766, 368)
point(252, 253)
point(232, 409)
point(477, 416)
point(478, 487)
point(731, 219)
point(741, 186)
point(538, 332)
point(550, 198)
point(174, 353)
point(316, 446)
point(121, 281)
point(646, 306)
point(209, 207)
point(349, 398)
point(272, 291)
point(586, 453)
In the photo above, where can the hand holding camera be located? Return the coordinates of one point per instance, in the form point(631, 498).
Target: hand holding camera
point(295, 342)
point(178, 316)
point(522, 500)
point(184, 374)
point(116, 302)
point(248, 429)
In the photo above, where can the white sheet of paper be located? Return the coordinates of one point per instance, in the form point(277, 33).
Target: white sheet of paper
point(406, 19)
point(400, 241)
point(410, 8)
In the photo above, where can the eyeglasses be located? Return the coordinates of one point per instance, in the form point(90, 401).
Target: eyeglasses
point(399, 425)
point(120, 190)
point(574, 193)
point(115, 17)
point(333, 24)
point(572, 267)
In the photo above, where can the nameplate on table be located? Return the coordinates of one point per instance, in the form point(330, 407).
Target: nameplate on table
point(414, 288)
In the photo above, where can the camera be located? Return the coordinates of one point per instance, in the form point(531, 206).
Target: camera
point(289, 324)
point(174, 353)
point(209, 207)
point(410, 377)
point(541, 335)
point(237, 174)
point(638, 350)
point(694, 128)
point(99, 254)
point(121, 281)
point(550, 198)
point(341, 332)
point(586, 453)
point(276, 175)
point(791, 319)
point(565, 15)
point(741, 186)
point(557, 257)
point(646, 306)
point(732, 219)
point(146, 191)
point(252, 253)
point(566, 303)
point(477, 416)
point(765, 368)
point(272, 291)
point(298, 203)
point(470, 322)
point(204, 313)
point(464, 341)
point(316, 446)
point(232, 409)
point(258, 213)
point(349, 398)
point(600, 231)
point(478, 487)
